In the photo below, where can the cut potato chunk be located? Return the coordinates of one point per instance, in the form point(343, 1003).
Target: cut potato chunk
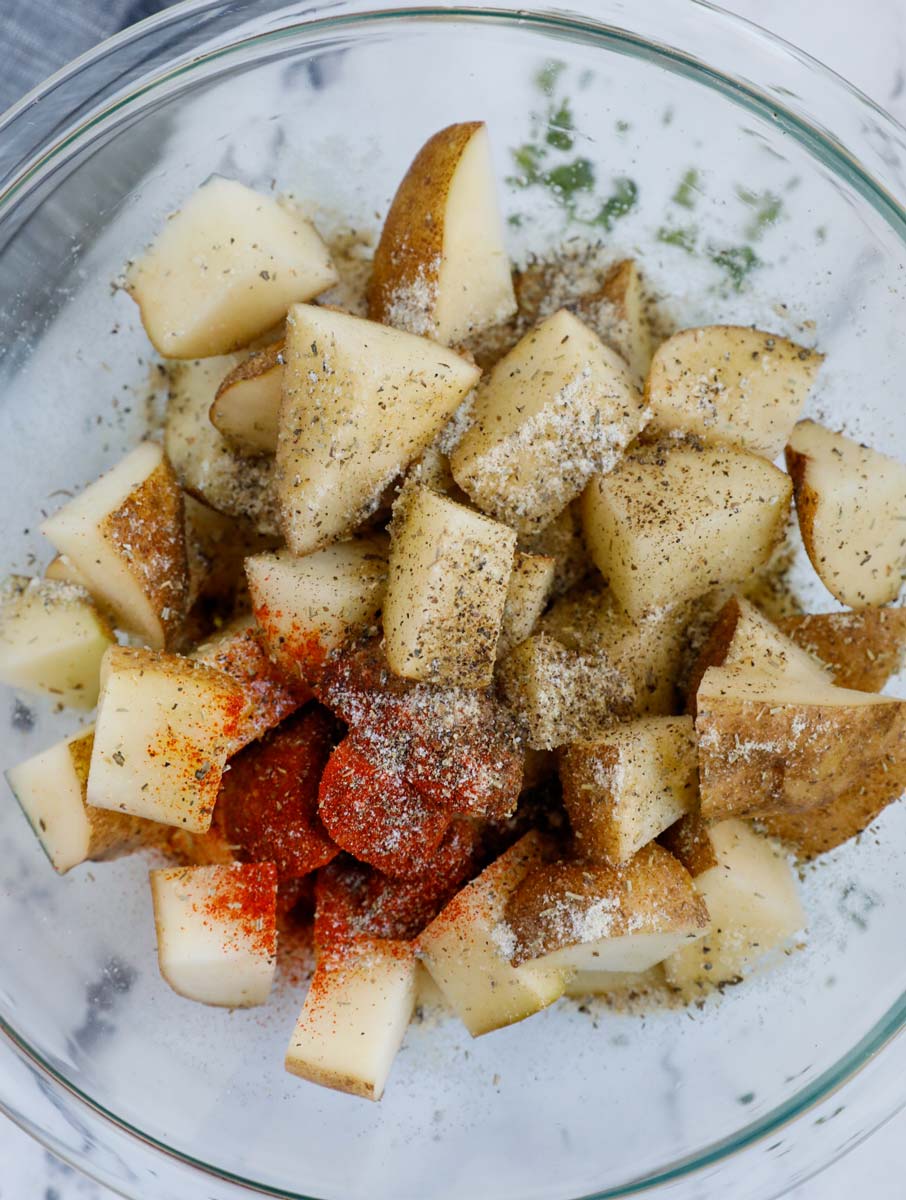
point(217, 931)
point(164, 727)
point(730, 383)
point(863, 649)
point(63, 570)
point(617, 313)
point(620, 988)
point(208, 467)
point(224, 270)
point(441, 267)
point(527, 595)
point(560, 695)
point(246, 407)
point(360, 403)
point(355, 1017)
point(672, 523)
point(755, 909)
point(446, 590)
point(559, 407)
point(51, 791)
point(585, 917)
point(307, 607)
point(562, 541)
point(467, 949)
point(851, 504)
point(627, 786)
point(125, 534)
point(52, 640)
point(689, 840)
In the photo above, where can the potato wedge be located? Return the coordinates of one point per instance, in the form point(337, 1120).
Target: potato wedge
point(527, 595)
point(447, 583)
point(125, 534)
point(755, 909)
point(863, 649)
point(441, 267)
point(730, 383)
point(52, 640)
point(851, 504)
point(246, 405)
point(617, 313)
point(360, 403)
point(224, 270)
point(164, 726)
point(559, 407)
point(671, 523)
point(628, 785)
point(587, 917)
point(208, 467)
point(307, 607)
point(63, 570)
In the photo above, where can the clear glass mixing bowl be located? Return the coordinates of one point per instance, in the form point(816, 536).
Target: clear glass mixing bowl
point(798, 199)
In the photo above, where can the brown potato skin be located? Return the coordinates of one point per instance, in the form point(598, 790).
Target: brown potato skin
point(258, 363)
point(813, 833)
point(863, 648)
point(807, 501)
point(714, 651)
point(687, 839)
point(412, 239)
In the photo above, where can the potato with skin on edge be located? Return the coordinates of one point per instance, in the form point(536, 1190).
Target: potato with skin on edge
point(617, 314)
point(441, 267)
point(863, 649)
point(360, 402)
point(246, 406)
point(449, 571)
point(555, 410)
point(731, 383)
point(527, 594)
point(851, 505)
point(125, 534)
point(224, 269)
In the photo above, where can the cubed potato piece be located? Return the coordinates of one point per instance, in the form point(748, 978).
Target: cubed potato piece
point(441, 267)
point(164, 726)
point(217, 932)
point(467, 949)
point(224, 544)
point(771, 743)
point(432, 469)
point(63, 570)
point(689, 840)
point(246, 406)
point(671, 523)
point(619, 988)
point(560, 695)
point(731, 383)
point(755, 909)
point(852, 514)
point(52, 640)
point(628, 785)
point(527, 595)
point(125, 534)
point(224, 270)
point(447, 586)
point(360, 402)
point(208, 466)
point(562, 541)
point(51, 791)
point(307, 607)
point(558, 408)
point(355, 1016)
point(863, 649)
point(617, 312)
point(586, 917)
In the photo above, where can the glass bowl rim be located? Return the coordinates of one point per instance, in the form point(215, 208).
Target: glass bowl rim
point(324, 15)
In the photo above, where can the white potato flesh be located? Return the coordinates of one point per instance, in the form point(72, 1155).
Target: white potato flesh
point(246, 406)
point(851, 504)
point(755, 910)
point(555, 410)
point(730, 383)
point(672, 523)
point(354, 1018)
point(620, 985)
point(467, 950)
point(627, 786)
point(446, 590)
point(360, 402)
point(758, 644)
point(52, 640)
point(630, 953)
point(125, 534)
point(51, 791)
point(527, 595)
point(63, 570)
point(217, 931)
point(307, 607)
point(164, 726)
point(441, 268)
point(224, 269)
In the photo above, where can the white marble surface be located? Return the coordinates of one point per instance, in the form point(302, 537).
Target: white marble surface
point(871, 52)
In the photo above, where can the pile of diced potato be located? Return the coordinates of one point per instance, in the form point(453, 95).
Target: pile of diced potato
point(370, 617)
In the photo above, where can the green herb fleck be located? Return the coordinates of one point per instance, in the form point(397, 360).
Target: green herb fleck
point(622, 126)
point(667, 115)
point(623, 199)
point(560, 127)
point(737, 261)
point(546, 79)
point(687, 188)
point(684, 238)
point(586, 78)
point(767, 208)
point(821, 233)
point(527, 159)
point(515, 219)
point(571, 177)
